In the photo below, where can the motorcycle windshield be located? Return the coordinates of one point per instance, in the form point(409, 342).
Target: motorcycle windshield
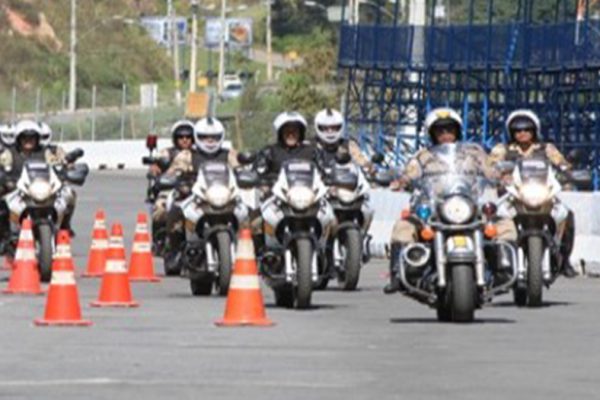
point(535, 170)
point(299, 173)
point(215, 173)
point(452, 169)
point(37, 170)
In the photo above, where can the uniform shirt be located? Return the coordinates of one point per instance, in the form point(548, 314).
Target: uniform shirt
point(514, 152)
point(425, 161)
point(328, 152)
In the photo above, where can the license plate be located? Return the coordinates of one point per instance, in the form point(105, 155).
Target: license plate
point(460, 241)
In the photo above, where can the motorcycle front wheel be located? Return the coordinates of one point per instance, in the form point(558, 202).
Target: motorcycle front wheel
point(44, 250)
point(224, 252)
point(304, 254)
point(463, 293)
point(535, 280)
point(351, 242)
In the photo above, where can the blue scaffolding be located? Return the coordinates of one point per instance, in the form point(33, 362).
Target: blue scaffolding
point(483, 68)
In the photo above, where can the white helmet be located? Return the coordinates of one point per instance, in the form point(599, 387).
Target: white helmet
point(180, 128)
point(291, 117)
point(443, 116)
point(46, 134)
point(27, 128)
point(525, 120)
point(331, 119)
point(7, 135)
point(209, 127)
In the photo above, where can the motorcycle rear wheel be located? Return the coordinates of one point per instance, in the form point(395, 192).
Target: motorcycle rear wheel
point(201, 286)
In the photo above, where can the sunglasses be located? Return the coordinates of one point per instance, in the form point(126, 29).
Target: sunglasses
point(330, 128)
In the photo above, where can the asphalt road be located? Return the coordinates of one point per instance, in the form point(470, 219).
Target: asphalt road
point(361, 345)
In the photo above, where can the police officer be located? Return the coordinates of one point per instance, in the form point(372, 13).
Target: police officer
point(289, 129)
point(524, 129)
point(444, 126)
point(209, 136)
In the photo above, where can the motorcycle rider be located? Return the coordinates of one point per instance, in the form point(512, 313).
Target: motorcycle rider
point(329, 141)
point(177, 159)
point(444, 126)
point(290, 133)
point(209, 135)
point(523, 127)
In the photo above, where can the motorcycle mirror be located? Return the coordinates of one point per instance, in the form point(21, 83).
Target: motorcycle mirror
point(577, 157)
point(166, 183)
point(382, 179)
point(147, 160)
point(247, 179)
point(74, 155)
point(151, 142)
point(78, 174)
point(377, 158)
point(246, 157)
point(582, 179)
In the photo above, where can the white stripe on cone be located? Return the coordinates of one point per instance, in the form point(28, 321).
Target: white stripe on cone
point(245, 250)
point(26, 234)
point(141, 247)
point(142, 228)
point(99, 224)
point(99, 244)
point(25, 255)
point(244, 282)
point(63, 278)
point(63, 251)
point(115, 266)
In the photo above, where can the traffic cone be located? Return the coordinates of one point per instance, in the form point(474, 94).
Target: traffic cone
point(25, 278)
point(62, 303)
point(141, 265)
point(115, 290)
point(244, 300)
point(99, 248)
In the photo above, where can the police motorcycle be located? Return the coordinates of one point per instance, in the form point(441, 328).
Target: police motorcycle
point(41, 193)
point(347, 246)
point(454, 266)
point(296, 218)
point(156, 184)
point(531, 200)
point(213, 214)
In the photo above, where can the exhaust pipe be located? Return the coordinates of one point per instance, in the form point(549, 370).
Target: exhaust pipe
point(416, 255)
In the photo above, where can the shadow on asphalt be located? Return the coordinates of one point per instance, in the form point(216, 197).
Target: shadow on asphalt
point(314, 307)
point(435, 321)
point(546, 304)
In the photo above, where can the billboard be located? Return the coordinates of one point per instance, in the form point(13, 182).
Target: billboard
point(238, 33)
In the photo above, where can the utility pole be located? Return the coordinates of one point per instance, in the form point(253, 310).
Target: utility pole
point(269, 48)
point(193, 55)
point(73, 59)
point(222, 47)
point(170, 27)
point(175, 38)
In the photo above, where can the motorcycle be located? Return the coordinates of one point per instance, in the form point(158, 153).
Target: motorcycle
point(348, 244)
point(531, 201)
point(213, 214)
point(296, 217)
point(452, 267)
point(42, 195)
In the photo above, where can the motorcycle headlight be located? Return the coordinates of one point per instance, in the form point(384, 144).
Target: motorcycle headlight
point(345, 195)
point(534, 195)
point(457, 210)
point(218, 195)
point(40, 190)
point(301, 197)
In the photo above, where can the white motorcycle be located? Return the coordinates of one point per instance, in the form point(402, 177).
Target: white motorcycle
point(531, 200)
point(213, 214)
point(41, 193)
point(296, 218)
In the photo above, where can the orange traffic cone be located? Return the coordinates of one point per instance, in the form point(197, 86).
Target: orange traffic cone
point(244, 300)
point(62, 304)
point(115, 290)
point(99, 248)
point(25, 278)
point(141, 265)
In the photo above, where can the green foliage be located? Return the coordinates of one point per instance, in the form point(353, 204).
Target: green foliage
point(298, 94)
point(258, 108)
